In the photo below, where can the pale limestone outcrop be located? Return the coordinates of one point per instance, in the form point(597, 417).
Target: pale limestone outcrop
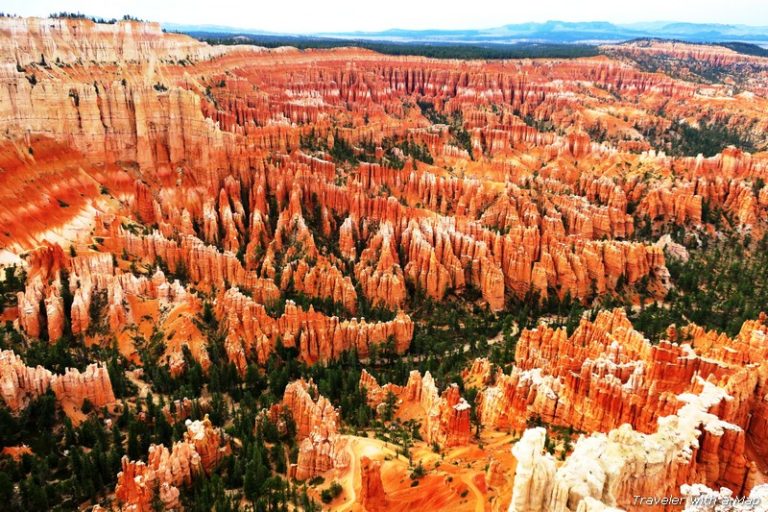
point(690, 446)
point(534, 473)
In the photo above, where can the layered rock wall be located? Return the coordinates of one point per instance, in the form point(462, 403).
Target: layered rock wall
point(20, 383)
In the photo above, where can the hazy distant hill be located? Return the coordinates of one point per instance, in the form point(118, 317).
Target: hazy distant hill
point(562, 31)
point(548, 32)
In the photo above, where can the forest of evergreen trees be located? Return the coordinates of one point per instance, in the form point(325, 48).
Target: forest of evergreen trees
point(488, 51)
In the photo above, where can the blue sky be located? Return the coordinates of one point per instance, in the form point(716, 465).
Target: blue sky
point(344, 15)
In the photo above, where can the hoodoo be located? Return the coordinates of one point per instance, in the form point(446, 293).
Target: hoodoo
point(522, 277)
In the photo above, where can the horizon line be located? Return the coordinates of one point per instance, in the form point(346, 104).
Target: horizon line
point(164, 23)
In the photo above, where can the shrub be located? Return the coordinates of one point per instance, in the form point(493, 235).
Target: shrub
point(317, 480)
point(418, 472)
point(332, 492)
point(87, 406)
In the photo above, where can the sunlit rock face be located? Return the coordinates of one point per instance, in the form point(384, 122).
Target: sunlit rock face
point(317, 336)
point(19, 384)
point(689, 413)
point(372, 495)
point(692, 445)
point(321, 446)
point(140, 484)
point(444, 417)
point(606, 374)
point(203, 190)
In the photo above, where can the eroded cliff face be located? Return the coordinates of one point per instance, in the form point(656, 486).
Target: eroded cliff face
point(670, 419)
point(318, 337)
point(69, 41)
point(606, 374)
point(231, 164)
point(692, 445)
point(321, 447)
point(166, 470)
point(90, 295)
point(165, 142)
point(534, 474)
point(20, 383)
point(653, 417)
point(445, 418)
point(372, 495)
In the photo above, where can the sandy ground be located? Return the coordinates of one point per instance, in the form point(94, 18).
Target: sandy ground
point(455, 479)
point(358, 447)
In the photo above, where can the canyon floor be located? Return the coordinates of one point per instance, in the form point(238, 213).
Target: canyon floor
point(278, 279)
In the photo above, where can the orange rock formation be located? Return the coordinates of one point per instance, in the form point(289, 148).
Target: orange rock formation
point(372, 496)
point(19, 384)
point(318, 337)
point(166, 470)
point(692, 412)
point(445, 417)
point(321, 446)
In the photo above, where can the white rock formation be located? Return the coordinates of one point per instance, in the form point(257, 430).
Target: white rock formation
point(534, 475)
point(703, 499)
point(614, 468)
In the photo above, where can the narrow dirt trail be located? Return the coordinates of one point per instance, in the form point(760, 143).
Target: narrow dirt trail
point(476, 493)
point(351, 482)
point(358, 447)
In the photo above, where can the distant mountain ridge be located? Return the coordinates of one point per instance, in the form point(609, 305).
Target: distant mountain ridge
point(553, 31)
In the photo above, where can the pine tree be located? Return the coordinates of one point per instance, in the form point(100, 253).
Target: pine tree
point(251, 485)
point(256, 474)
point(6, 488)
point(278, 457)
point(134, 447)
point(390, 403)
